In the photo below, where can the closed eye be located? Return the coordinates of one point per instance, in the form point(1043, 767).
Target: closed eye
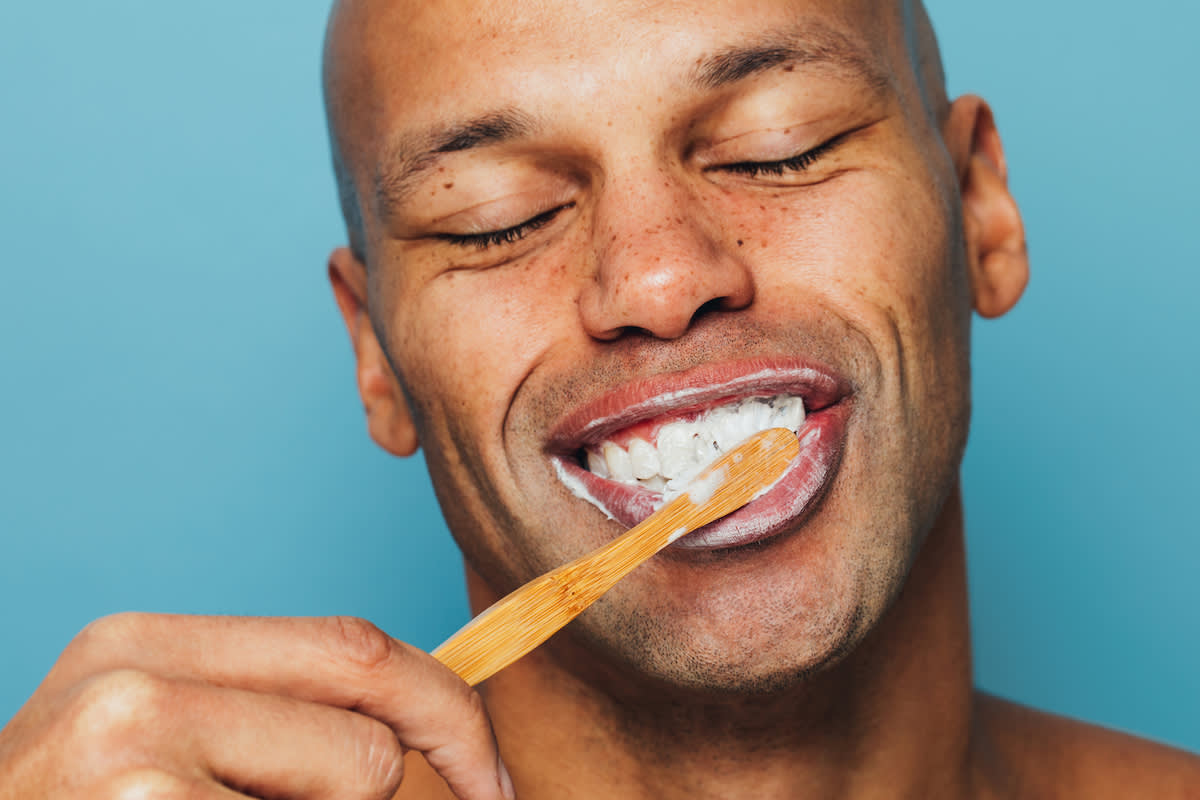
point(482, 241)
point(797, 163)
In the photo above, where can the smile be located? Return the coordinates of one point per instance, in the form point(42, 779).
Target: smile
point(632, 450)
point(672, 453)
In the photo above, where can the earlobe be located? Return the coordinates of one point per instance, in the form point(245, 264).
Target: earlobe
point(997, 257)
point(389, 420)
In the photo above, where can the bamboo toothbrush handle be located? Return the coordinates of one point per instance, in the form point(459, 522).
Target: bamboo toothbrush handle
point(530, 615)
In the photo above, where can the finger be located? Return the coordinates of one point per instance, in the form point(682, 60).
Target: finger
point(337, 661)
point(264, 745)
point(153, 784)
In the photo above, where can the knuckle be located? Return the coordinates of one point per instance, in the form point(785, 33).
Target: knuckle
point(360, 643)
point(380, 761)
point(475, 710)
point(99, 634)
point(144, 784)
point(119, 701)
point(114, 626)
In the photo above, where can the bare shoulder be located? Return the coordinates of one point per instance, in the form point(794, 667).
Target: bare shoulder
point(1045, 755)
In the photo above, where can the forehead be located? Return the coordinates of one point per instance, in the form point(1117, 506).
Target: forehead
point(475, 31)
point(427, 59)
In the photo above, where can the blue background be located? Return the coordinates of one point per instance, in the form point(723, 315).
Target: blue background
point(179, 429)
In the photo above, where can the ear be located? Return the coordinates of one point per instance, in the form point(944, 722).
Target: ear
point(389, 420)
point(996, 252)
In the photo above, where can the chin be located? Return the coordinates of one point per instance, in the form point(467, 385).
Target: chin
point(737, 645)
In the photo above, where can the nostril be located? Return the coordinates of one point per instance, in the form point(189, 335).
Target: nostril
point(714, 307)
point(628, 331)
point(710, 307)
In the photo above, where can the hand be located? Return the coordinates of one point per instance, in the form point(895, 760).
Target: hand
point(152, 706)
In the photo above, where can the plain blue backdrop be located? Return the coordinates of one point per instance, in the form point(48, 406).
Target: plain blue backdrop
point(179, 429)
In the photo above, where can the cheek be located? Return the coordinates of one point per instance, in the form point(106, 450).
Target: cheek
point(882, 244)
point(466, 340)
point(875, 248)
point(880, 252)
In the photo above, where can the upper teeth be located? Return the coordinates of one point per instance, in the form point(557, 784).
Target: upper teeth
point(685, 448)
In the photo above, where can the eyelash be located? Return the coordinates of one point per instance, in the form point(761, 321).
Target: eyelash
point(482, 241)
point(797, 163)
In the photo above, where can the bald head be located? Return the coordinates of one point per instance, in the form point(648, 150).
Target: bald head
point(346, 85)
point(926, 58)
point(354, 77)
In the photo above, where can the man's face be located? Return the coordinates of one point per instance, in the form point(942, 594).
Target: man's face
point(590, 220)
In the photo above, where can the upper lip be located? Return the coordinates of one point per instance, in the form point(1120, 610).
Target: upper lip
point(680, 392)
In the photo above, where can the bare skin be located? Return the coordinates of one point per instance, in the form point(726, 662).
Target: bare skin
point(656, 148)
point(142, 706)
point(648, 251)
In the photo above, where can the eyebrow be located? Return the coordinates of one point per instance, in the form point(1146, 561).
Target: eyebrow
point(408, 159)
point(813, 45)
point(496, 126)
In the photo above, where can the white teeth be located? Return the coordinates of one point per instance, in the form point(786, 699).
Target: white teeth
point(788, 416)
point(620, 466)
point(655, 483)
point(685, 448)
point(597, 464)
point(644, 458)
point(676, 450)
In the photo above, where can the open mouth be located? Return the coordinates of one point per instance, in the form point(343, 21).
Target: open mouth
point(630, 452)
point(665, 456)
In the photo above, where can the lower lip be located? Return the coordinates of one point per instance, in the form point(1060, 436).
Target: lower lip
point(788, 502)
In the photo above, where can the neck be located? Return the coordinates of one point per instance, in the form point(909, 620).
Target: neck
point(892, 719)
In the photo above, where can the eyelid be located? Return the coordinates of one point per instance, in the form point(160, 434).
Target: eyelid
point(775, 144)
point(797, 162)
point(513, 233)
point(505, 207)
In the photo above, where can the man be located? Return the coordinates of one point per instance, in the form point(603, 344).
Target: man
point(575, 228)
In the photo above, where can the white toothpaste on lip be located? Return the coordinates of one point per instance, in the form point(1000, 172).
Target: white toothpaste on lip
point(679, 534)
point(576, 487)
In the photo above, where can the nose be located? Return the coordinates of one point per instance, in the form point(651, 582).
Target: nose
point(659, 265)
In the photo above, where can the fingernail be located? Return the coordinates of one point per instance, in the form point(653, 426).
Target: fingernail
point(506, 783)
